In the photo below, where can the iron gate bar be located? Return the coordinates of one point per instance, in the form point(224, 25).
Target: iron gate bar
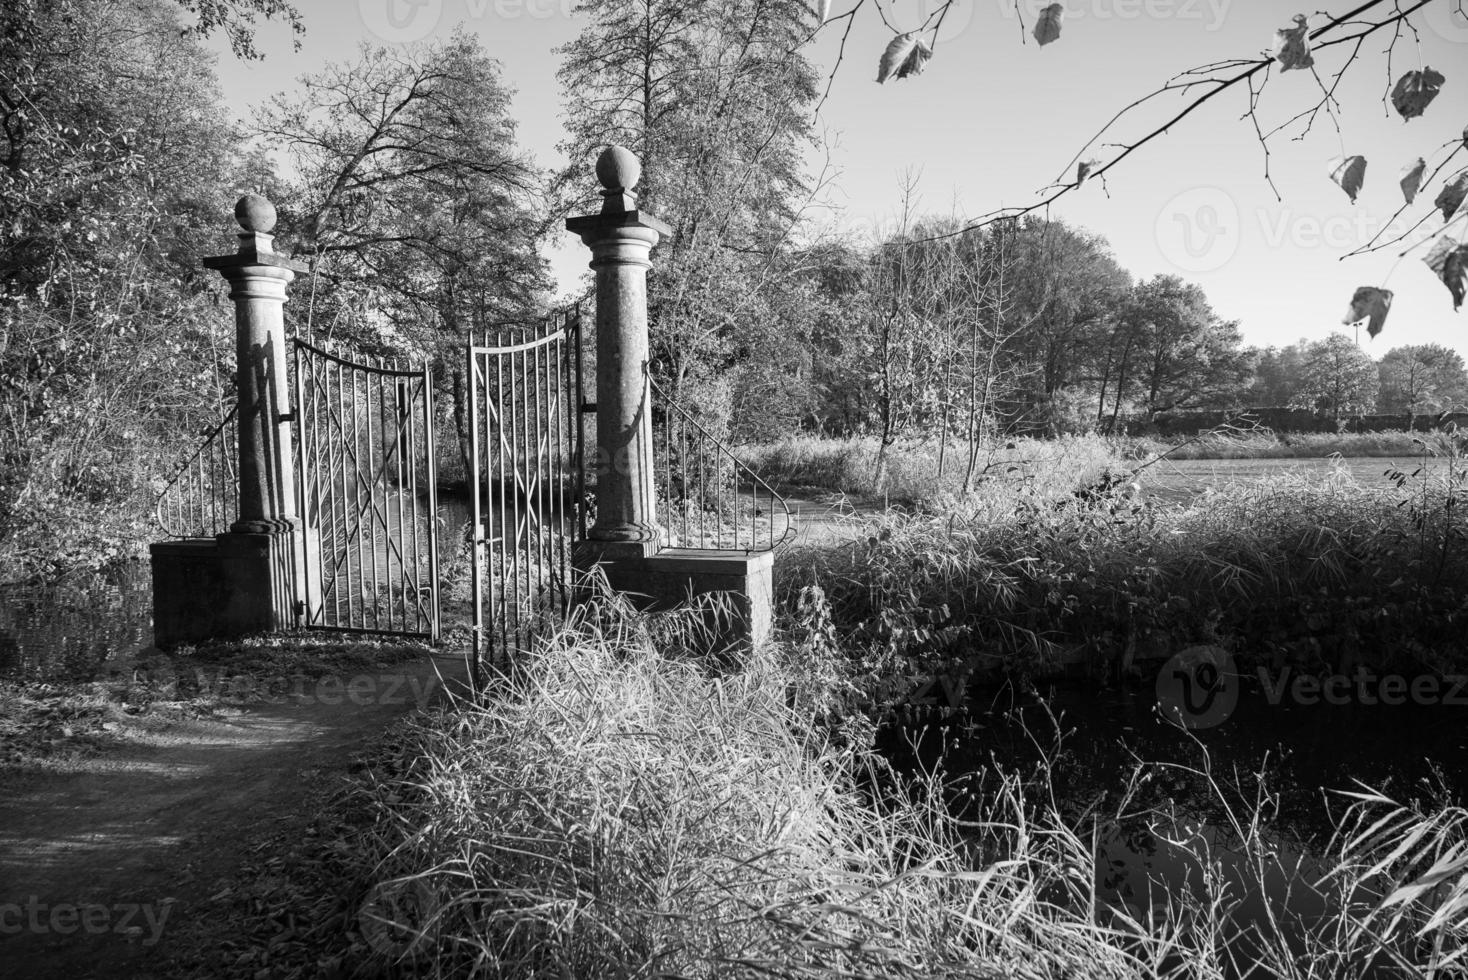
point(523, 440)
point(344, 420)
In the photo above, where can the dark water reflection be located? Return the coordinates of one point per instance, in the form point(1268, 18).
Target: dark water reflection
point(75, 628)
point(1086, 747)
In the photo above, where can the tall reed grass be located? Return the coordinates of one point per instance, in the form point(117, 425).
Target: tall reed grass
point(620, 810)
point(1316, 573)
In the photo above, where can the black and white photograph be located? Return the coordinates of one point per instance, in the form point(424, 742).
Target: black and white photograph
point(733, 490)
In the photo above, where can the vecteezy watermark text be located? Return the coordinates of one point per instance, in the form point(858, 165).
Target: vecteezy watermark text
point(132, 919)
point(386, 688)
point(1199, 688)
point(1364, 686)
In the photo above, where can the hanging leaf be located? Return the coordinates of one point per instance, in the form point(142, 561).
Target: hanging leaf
point(1349, 173)
point(823, 8)
point(906, 55)
point(1448, 260)
point(1412, 178)
point(1047, 28)
point(1292, 45)
point(1415, 91)
point(1084, 170)
point(1370, 303)
point(1450, 198)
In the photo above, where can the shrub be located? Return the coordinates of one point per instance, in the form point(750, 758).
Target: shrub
point(1315, 573)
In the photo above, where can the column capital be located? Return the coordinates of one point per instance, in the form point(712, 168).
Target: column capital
point(618, 170)
point(256, 217)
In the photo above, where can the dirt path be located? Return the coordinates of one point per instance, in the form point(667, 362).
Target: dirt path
point(104, 868)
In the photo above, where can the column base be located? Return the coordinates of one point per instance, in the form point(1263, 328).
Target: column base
point(735, 590)
point(232, 585)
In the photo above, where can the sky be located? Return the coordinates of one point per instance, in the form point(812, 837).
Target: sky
point(995, 118)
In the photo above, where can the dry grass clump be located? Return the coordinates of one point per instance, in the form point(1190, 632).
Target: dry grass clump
point(910, 476)
point(1312, 571)
point(619, 812)
point(1267, 444)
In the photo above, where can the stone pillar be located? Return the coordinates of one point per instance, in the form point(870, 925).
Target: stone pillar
point(258, 278)
point(621, 238)
point(626, 542)
point(250, 579)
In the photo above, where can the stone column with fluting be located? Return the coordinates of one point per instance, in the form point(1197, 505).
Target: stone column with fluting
point(621, 239)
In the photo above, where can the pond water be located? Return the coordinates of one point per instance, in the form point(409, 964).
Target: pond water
point(77, 627)
point(1086, 746)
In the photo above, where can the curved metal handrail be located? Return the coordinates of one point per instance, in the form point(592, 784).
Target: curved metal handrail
point(199, 499)
point(692, 466)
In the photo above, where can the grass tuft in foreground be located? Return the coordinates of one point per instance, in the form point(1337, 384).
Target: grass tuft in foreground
point(619, 810)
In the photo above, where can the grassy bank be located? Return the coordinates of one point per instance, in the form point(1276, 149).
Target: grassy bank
point(911, 476)
point(619, 810)
point(1265, 444)
point(920, 474)
point(1320, 574)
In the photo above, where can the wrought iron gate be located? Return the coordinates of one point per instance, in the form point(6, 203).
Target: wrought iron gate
point(526, 451)
point(367, 494)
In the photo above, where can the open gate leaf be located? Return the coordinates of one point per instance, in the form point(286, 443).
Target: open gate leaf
point(1370, 303)
point(1349, 173)
point(1412, 178)
point(1415, 91)
point(1450, 198)
point(906, 55)
point(1292, 45)
point(1448, 260)
point(1047, 28)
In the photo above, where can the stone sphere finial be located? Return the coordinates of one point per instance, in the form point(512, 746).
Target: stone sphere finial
point(618, 169)
point(255, 214)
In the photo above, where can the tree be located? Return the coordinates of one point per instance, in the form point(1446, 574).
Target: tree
point(420, 216)
point(1187, 356)
point(1069, 291)
point(115, 165)
point(717, 101)
point(1279, 375)
point(1422, 378)
point(1330, 46)
point(1339, 378)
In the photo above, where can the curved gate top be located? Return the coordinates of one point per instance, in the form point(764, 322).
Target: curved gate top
point(367, 495)
point(528, 486)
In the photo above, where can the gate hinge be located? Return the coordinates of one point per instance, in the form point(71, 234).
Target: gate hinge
point(588, 407)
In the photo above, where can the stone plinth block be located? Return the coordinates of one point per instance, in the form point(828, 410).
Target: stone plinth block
point(223, 587)
point(679, 576)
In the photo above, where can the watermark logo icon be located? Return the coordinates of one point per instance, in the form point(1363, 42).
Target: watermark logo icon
point(1448, 19)
point(400, 21)
point(1198, 230)
point(1198, 687)
point(399, 917)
